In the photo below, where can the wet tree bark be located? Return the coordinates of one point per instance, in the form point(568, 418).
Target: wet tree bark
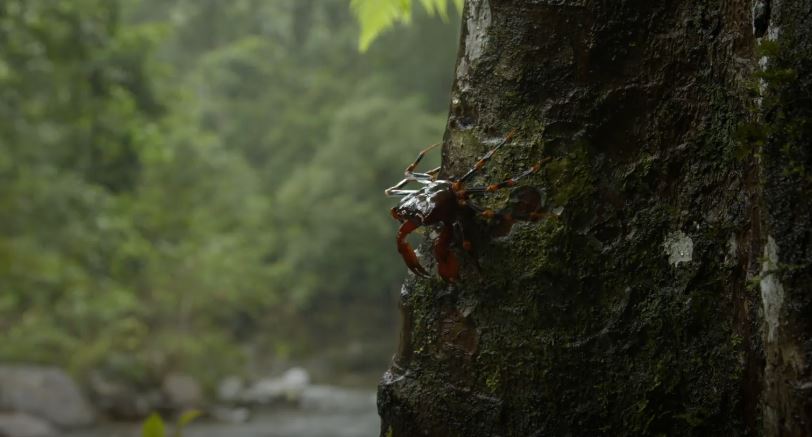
point(672, 295)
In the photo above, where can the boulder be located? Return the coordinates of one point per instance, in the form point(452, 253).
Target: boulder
point(230, 414)
point(24, 425)
point(229, 389)
point(322, 398)
point(122, 401)
point(296, 377)
point(45, 392)
point(287, 388)
point(182, 391)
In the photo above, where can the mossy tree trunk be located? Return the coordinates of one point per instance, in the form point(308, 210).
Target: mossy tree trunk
point(672, 295)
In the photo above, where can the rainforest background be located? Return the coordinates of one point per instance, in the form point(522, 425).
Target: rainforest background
point(196, 186)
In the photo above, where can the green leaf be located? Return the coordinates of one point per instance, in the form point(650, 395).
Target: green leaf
point(153, 426)
point(375, 16)
point(439, 7)
point(186, 418)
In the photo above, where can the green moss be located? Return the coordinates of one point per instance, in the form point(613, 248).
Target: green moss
point(749, 139)
point(492, 382)
point(571, 177)
point(787, 120)
point(777, 76)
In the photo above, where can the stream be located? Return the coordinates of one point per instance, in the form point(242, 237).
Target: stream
point(326, 412)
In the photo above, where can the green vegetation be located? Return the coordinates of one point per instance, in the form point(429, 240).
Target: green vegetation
point(376, 16)
point(180, 179)
point(154, 425)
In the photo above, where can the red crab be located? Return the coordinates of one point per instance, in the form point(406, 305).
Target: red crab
point(446, 204)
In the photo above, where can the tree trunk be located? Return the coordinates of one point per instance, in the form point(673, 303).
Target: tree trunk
point(672, 295)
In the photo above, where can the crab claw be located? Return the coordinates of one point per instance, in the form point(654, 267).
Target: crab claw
point(412, 263)
point(406, 250)
point(448, 266)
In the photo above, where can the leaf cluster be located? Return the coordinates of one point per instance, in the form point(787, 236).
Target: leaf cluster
point(376, 16)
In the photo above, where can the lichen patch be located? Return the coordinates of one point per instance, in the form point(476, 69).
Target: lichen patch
point(477, 24)
point(732, 250)
point(679, 248)
point(772, 292)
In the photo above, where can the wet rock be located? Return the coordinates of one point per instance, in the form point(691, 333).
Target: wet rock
point(229, 389)
point(296, 377)
point(182, 391)
point(121, 401)
point(336, 399)
point(46, 392)
point(288, 388)
point(230, 415)
point(24, 425)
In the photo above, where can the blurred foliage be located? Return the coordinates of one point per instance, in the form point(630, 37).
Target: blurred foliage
point(182, 181)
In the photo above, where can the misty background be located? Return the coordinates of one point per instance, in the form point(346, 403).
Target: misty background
point(192, 189)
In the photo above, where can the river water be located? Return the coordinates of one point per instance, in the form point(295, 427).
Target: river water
point(327, 412)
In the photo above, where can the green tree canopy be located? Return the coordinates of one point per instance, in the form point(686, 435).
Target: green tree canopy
point(180, 179)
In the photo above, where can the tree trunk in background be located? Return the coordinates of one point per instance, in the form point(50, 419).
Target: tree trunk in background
point(672, 296)
point(785, 125)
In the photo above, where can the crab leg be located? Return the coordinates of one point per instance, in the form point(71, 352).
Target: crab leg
point(423, 178)
point(464, 225)
point(395, 190)
point(420, 155)
point(433, 172)
point(467, 245)
point(488, 213)
point(427, 177)
point(508, 182)
point(447, 264)
point(406, 250)
point(484, 160)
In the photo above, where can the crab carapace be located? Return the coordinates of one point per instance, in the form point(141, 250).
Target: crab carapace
point(445, 204)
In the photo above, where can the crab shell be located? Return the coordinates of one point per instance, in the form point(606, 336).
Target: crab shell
point(432, 204)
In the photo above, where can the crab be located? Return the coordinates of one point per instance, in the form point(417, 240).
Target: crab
point(446, 205)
